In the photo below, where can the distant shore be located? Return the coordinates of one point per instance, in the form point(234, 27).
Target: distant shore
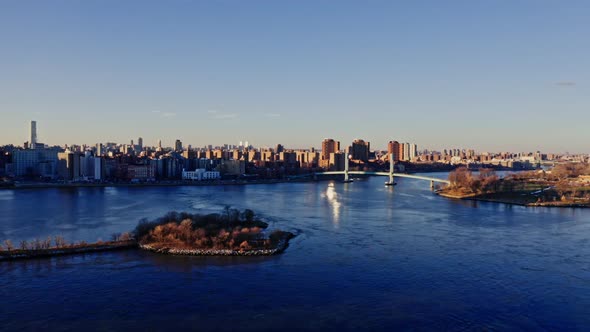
point(148, 184)
point(512, 199)
point(53, 185)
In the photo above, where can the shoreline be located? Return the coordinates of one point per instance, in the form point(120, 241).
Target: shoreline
point(282, 245)
point(41, 185)
point(20, 254)
point(474, 197)
point(181, 183)
point(144, 185)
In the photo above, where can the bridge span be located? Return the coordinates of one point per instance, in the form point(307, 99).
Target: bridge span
point(400, 175)
point(391, 174)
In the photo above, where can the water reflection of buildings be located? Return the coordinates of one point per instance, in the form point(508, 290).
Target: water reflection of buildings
point(332, 197)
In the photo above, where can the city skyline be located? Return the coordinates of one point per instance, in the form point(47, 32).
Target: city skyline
point(503, 77)
point(33, 133)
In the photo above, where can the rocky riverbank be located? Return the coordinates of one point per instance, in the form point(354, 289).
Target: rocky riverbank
point(283, 244)
point(518, 198)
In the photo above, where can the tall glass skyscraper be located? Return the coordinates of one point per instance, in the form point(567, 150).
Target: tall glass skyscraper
point(33, 141)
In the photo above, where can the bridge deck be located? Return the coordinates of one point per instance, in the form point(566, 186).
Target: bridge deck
point(395, 175)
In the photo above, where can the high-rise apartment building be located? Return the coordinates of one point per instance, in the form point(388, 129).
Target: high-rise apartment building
point(329, 146)
point(413, 151)
point(359, 150)
point(407, 152)
point(178, 146)
point(393, 147)
point(69, 165)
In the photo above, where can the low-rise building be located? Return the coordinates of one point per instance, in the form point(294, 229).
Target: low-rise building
point(200, 174)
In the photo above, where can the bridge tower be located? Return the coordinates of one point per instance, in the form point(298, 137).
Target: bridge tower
point(391, 171)
point(346, 178)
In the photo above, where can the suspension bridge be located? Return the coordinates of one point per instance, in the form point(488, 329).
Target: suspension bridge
point(391, 174)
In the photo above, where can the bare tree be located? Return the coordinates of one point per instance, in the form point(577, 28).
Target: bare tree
point(59, 242)
point(47, 243)
point(8, 244)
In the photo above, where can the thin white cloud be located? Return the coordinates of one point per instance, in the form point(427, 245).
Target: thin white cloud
point(164, 114)
point(224, 116)
point(272, 115)
point(212, 111)
point(565, 83)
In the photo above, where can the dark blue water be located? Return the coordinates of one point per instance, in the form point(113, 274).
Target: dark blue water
point(366, 257)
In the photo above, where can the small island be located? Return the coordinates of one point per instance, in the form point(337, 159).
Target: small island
point(231, 233)
point(565, 185)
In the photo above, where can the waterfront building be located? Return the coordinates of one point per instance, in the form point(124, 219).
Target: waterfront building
point(35, 162)
point(69, 165)
point(141, 172)
point(200, 174)
point(99, 169)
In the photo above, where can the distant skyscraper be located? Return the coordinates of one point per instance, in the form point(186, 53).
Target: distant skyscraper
point(159, 144)
point(33, 134)
point(69, 165)
point(413, 151)
point(359, 150)
point(140, 143)
point(394, 147)
point(329, 146)
point(178, 145)
point(407, 151)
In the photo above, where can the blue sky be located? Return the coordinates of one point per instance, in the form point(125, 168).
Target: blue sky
point(489, 75)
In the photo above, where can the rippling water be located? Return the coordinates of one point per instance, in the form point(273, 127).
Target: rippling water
point(366, 257)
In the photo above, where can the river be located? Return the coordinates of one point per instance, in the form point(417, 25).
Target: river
point(366, 257)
